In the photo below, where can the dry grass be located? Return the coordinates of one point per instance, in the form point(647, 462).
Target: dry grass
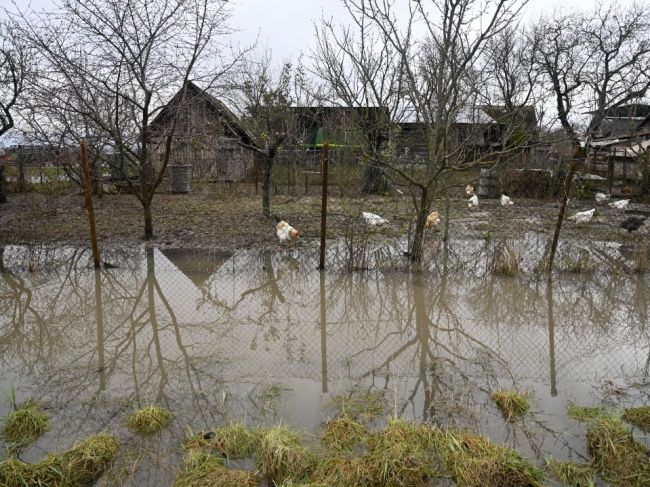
point(202, 469)
point(24, 425)
point(148, 420)
point(476, 461)
point(572, 474)
point(344, 434)
point(616, 455)
point(281, 456)
point(232, 440)
point(512, 404)
point(78, 467)
point(361, 406)
point(581, 413)
point(639, 417)
point(505, 260)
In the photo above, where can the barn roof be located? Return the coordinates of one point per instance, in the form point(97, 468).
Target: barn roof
point(220, 110)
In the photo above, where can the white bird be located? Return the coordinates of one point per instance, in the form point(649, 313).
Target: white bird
point(469, 190)
point(473, 201)
point(583, 216)
point(372, 219)
point(601, 197)
point(506, 201)
point(620, 204)
point(286, 232)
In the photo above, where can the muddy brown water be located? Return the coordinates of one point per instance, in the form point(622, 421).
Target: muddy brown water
point(263, 337)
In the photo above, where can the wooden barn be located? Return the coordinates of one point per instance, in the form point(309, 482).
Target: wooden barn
point(206, 137)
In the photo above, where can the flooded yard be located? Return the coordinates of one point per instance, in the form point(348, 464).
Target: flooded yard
point(265, 339)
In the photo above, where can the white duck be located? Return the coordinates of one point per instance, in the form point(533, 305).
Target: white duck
point(372, 219)
point(620, 204)
point(472, 202)
point(583, 216)
point(601, 197)
point(506, 201)
point(286, 232)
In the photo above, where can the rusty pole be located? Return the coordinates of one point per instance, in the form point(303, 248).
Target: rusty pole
point(323, 209)
point(89, 203)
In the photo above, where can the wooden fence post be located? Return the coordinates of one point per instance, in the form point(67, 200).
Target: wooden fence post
point(89, 203)
point(323, 210)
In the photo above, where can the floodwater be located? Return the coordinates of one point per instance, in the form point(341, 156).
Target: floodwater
point(265, 338)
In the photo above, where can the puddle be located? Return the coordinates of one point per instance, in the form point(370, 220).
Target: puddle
point(265, 338)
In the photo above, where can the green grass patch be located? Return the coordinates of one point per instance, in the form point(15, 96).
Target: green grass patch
point(78, 467)
point(586, 414)
point(344, 434)
point(512, 404)
point(25, 424)
point(361, 406)
point(148, 420)
point(281, 456)
point(570, 473)
point(616, 455)
point(202, 469)
point(233, 440)
point(475, 461)
point(639, 417)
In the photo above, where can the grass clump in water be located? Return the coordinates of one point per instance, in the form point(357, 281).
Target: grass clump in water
point(202, 469)
point(232, 440)
point(402, 454)
point(639, 417)
point(25, 425)
point(570, 473)
point(512, 404)
point(150, 419)
point(281, 456)
point(505, 261)
point(586, 414)
point(78, 467)
point(475, 461)
point(615, 453)
point(361, 406)
point(344, 434)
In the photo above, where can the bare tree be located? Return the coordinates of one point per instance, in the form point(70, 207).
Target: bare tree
point(439, 77)
point(592, 63)
point(112, 65)
point(13, 71)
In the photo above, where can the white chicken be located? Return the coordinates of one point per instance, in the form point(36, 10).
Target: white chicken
point(433, 219)
point(620, 204)
point(506, 201)
point(372, 219)
point(583, 216)
point(286, 232)
point(601, 197)
point(472, 202)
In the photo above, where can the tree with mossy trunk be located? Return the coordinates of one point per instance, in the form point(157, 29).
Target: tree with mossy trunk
point(112, 64)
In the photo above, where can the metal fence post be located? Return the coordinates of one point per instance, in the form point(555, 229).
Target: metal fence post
point(323, 210)
point(89, 203)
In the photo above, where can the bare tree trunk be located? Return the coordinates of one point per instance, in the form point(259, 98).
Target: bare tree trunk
point(148, 220)
point(3, 190)
point(95, 176)
point(22, 185)
point(374, 179)
point(418, 237)
point(266, 186)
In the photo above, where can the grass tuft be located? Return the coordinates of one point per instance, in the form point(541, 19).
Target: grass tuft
point(233, 440)
point(476, 461)
point(587, 414)
point(344, 434)
point(570, 473)
point(616, 455)
point(25, 425)
point(282, 457)
point(639, 417)
point(148, 420)
point(202, 469)
point(361, 406)
point(505, 261)
point(512, 404)
point(78, 467)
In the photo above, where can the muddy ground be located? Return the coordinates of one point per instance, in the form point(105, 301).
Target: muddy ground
point(229, 219)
